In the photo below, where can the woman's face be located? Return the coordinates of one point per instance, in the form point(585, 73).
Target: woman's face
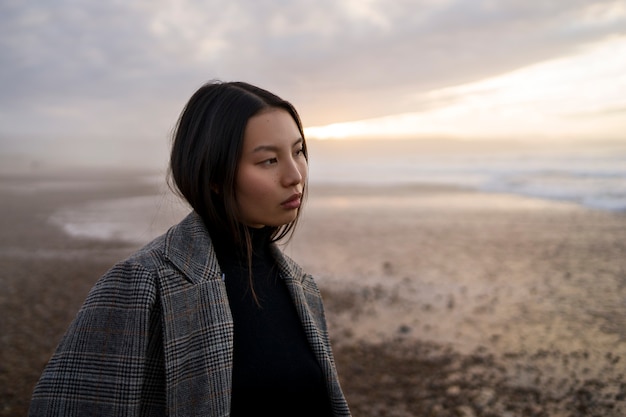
point(272, 170)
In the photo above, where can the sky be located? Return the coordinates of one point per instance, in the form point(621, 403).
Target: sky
point(90, 72)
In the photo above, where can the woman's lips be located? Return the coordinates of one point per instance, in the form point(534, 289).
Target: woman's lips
point(292, 202)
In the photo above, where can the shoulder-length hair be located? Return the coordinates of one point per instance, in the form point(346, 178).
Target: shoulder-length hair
point(206, 149)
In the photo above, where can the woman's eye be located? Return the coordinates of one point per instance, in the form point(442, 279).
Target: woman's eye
point(300, 152)
point(269, 161)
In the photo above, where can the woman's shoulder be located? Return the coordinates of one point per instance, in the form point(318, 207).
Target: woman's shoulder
point(140, 270)
point(134, 277)
point(289, 268)
point(176, 241)
point(292, 270)
point(185, 249)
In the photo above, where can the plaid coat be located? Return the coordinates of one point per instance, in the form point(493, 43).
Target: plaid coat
point(155, 336)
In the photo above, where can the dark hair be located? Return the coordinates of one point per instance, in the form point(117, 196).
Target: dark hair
point(207, 147)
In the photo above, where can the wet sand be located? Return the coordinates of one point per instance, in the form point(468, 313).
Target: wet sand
point(440, 301)
point(450, 302)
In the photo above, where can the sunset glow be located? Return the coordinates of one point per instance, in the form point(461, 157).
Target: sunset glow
point(581, 96)
point(114, 76)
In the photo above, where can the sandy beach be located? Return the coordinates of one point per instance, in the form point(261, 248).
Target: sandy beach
point(441, 301)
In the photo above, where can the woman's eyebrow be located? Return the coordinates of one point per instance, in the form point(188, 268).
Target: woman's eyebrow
point(274, 148)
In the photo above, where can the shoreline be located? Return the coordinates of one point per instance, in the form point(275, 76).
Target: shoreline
point(439, 300)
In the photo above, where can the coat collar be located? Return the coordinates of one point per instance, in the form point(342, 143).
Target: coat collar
point(188, 246)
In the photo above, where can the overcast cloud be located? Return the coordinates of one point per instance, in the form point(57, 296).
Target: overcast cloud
point(126, 67)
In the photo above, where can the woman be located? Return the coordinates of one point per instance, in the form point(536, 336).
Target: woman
point(210, 319)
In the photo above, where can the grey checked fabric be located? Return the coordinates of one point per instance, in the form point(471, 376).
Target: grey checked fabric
point(155, 336)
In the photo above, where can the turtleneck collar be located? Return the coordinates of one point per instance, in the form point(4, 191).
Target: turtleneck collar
point(230, 253)
point(260, 236)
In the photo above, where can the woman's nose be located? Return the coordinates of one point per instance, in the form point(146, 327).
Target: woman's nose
point(293, 173)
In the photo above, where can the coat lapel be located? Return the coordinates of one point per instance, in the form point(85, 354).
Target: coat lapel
point(197, 324)
point(307, 300)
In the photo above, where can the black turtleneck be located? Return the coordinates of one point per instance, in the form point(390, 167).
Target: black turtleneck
point(274, 369)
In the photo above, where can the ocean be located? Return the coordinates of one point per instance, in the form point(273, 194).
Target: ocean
point(590, 175)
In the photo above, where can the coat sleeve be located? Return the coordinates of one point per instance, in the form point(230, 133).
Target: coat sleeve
point(110, 361)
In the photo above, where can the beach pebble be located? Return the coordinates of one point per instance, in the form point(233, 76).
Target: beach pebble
point(404, 329)
point(485, 397)
point(453, 390)
point(465, 411)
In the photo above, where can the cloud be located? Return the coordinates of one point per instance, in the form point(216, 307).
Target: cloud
point(582, 96)
point(129, 66)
